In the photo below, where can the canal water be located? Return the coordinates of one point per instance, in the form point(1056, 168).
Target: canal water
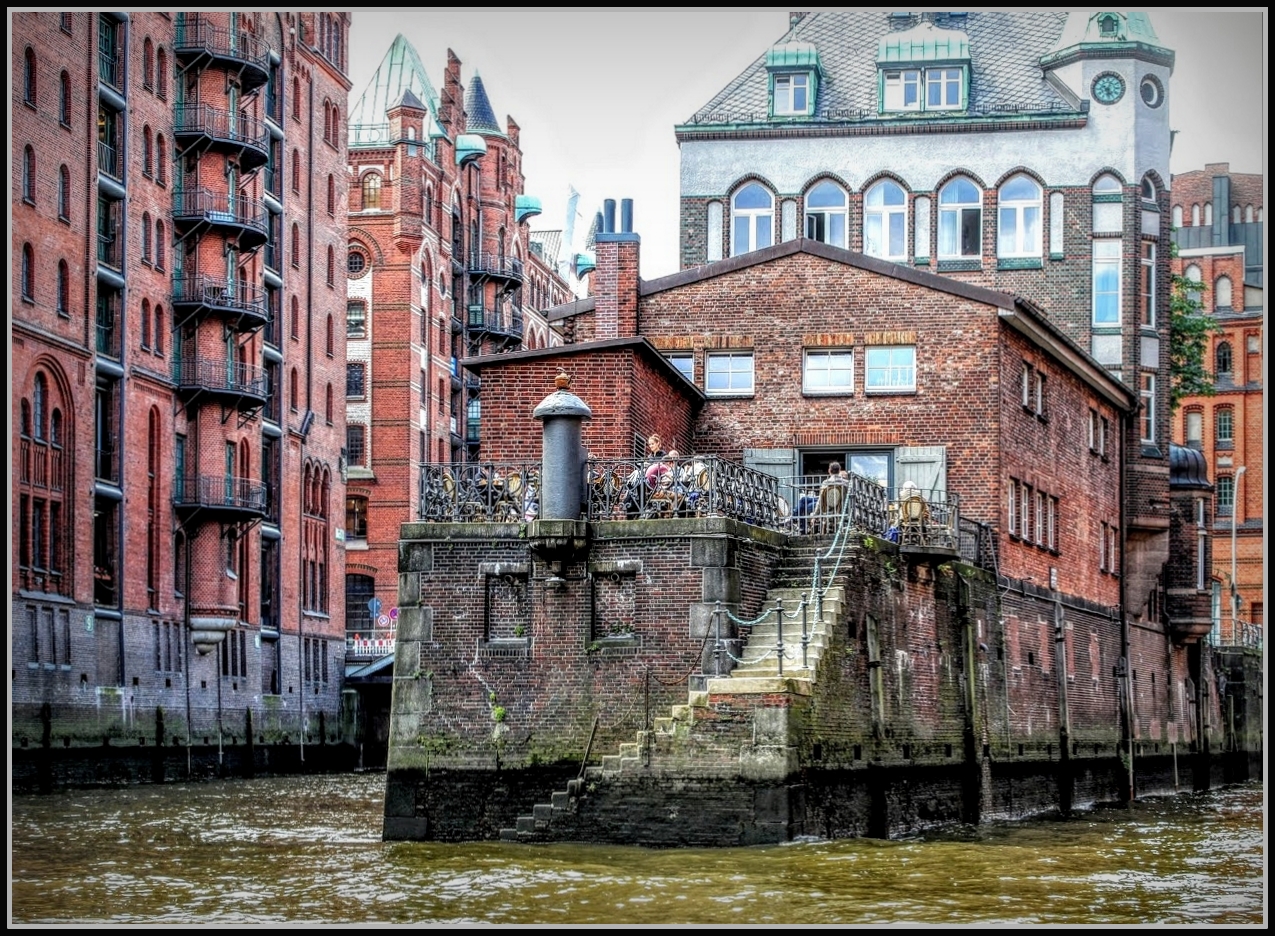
point(308, 849)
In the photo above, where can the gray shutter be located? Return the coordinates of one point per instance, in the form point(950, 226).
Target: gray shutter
point(778, 463)
point(923, 465)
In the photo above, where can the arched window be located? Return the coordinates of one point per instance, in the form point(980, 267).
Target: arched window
point(296, 245)
point(331, 340)
point(64, 288)
point(960, 220)
point(1223, 359)
point(296, 98)
point(28, 77)
point(1192, 274)
point(372, 192)
point(28, 176)
point(331, 194)
point(295, 317)
point(146, 323)
point(159, 245)
point(64, 193)
point(826, 214)
point(752, 219)
point(148, 64)
point(1224, 426)
point(1177, 216)
point(161, 160)
point(331, 266)
point(1018, 234)
point(1108, 211)
point(1248, 213)
point(327, 121)
point(64, 100)
point(1195, 216)
point(39, 400)
point(293, 390)
point(1222, 293)
point(1208, 214)
point(161, 74)
point(147, 154)
point(1235, 214)
point(1148, 188)
point(146, 237)
point(296, 171)
point(327, 404)
point(28, 273)
point(158, 336)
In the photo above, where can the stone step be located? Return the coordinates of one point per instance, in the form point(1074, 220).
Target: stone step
point(758, 670)
point(758, 685)
point(526, 825)
point(560, 799)
point(610, 762)
point(631, 763)
point(575, 786)
point(592, 772)
point(663, 724)
point(509, 835)
point(681, 712)
point(630, 749)
point(542, 812)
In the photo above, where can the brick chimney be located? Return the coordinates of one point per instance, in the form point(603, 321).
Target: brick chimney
point(615, 280)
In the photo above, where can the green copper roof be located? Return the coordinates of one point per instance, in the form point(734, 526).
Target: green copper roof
point(793, 55)
point(1107, 28)
point(526, 206)
point(924, 43)
point(401, 70)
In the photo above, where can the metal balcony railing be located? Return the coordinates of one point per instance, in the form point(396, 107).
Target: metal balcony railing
point(108, 159)
point(233, 128)
point(221, 208)
point(110, 67)
point(214, 293)
point(106, 463)
point(486, 492)
point(489, 265)
point(196, 35)
point(223, 377)
point(108, 339)
point(239, 495)
point(502, 322)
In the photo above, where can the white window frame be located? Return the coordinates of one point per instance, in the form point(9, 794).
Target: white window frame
point(894, 370)
point(1146, 283)
point(895, 85)
point(828, 363)
point(1012, 492)
point(952, 217)
point(788, 86)
point(752, 216)
point(829, 214)
point(944, 80)
point(919, 84)
point(1146, 393)
point(1106, 257)
point(1025, 512)
point(684, 361)
point(881, 214)
point(734, 371)
point(1018, 229)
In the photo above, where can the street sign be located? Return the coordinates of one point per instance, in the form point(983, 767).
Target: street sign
point(374, 606)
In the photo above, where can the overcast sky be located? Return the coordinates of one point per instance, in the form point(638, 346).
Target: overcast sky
point(597, 92)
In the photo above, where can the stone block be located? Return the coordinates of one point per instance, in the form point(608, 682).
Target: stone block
point(768, 762)
point(720, 585)
point(405, 829)
point(714, 552)
point(400, 797)
point(415, 624)
point(407, 661)
point(415, 557)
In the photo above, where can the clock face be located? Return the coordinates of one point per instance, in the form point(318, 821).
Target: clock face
point(1108, 88)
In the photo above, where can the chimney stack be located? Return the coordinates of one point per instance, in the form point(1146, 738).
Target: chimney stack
point(616, 276)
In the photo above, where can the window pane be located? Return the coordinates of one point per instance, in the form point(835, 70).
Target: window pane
point(891, 368)
point(763, 231)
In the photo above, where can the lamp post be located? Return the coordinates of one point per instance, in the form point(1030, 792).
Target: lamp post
point(1235, 592)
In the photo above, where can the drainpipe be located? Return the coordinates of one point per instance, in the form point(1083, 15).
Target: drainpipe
point(1128, 712)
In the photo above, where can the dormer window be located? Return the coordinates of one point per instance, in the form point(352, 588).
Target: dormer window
point(794, 70)
point(792, 94)
point(1108, 25)
point(924, 69)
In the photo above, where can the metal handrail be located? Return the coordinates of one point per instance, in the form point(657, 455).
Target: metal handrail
point(224, 376)
point(220, 124)
point(221, 207)
point(479, 492)
point(220, 491)
point(197, 34)
point(216, 292)
point(697, 486)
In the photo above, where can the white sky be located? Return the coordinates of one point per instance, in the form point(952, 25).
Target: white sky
point(597, 92)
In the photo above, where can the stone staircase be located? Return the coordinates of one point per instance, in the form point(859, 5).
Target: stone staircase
point(758, 673)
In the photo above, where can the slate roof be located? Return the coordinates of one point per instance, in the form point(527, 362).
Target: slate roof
point(548, 244)
point(479, 117)
point(399, 72)
point(1005, 53)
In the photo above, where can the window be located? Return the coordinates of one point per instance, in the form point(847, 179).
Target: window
point(356, 320)
point(1147, 394)
point(1177, 216)
point(1108, 212)
point(158, 336)
point(355, 379)
point(331, 194)
point(828, 372)
point(1201, 547)
point(917, 89)
point(296, 171)
point(684, 361)
point(1025, 511)
point(1224, 426)
point(752, 219)
point(148, 64)
point(1012, 507)
point(159, 245)
point(1208, 214)
point(1051, 523)
point(64, 289)
point(28, 176)
point(65, 19)
point(1225, 495)
point(327, 405)
point(885, 221)
point(64, 101)
point(1224, 362)
point(28, 77)
point(1195, 216)
point(1097, 433)
point(1033, 390)
point(826, 214)
point(890, 369)
point(296, 245)
point(1106, 282)
point(1148, 189)
point(330, 343)
point(1018, 234)
point(356, 262)
point(295, 318)
point(792, 94)
point(146, 324)
point(1146, 283)
point(355, 444)
point(960, 220)
point(161, 160)
point(728, 373)
point(293, 390)
point(356, 517)
point(147, 152)
point(1222, 293)
point(372, 192)
point(331, 266)
point(64, 194)
point(161, 74)
point(1194, 429)
point(28, 273)
point(146, 237)
point(1193, 274)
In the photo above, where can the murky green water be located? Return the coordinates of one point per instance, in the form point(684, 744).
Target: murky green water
point(308, 849)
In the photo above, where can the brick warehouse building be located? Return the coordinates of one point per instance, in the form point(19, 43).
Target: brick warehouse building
point(1222, 249)
point(440, 267)
point(175, 331)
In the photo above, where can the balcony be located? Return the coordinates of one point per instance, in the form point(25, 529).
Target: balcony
point(232, 133)
point(197, 297)
point(108, 160)
point(106, 462)
point(108, 337)
point(237, 385)
point(238, 217)
point(228, 500)
point(503, 325)
point(488, 266)
point(239, 52)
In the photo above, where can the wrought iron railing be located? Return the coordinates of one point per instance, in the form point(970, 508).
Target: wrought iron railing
point(379, 135)
point(221, 491)
point(211, 291)
point(862, 114)
point(479, 492)
point(698, 486)
point(220, 124)
point(197, 34)
point(108, 337)
point(820, 503)
point(220, 376)
point(489, 264)
point(221, 208)
point(108, 159)
point(110, 67)
point(106, 464)
point(494, 321)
